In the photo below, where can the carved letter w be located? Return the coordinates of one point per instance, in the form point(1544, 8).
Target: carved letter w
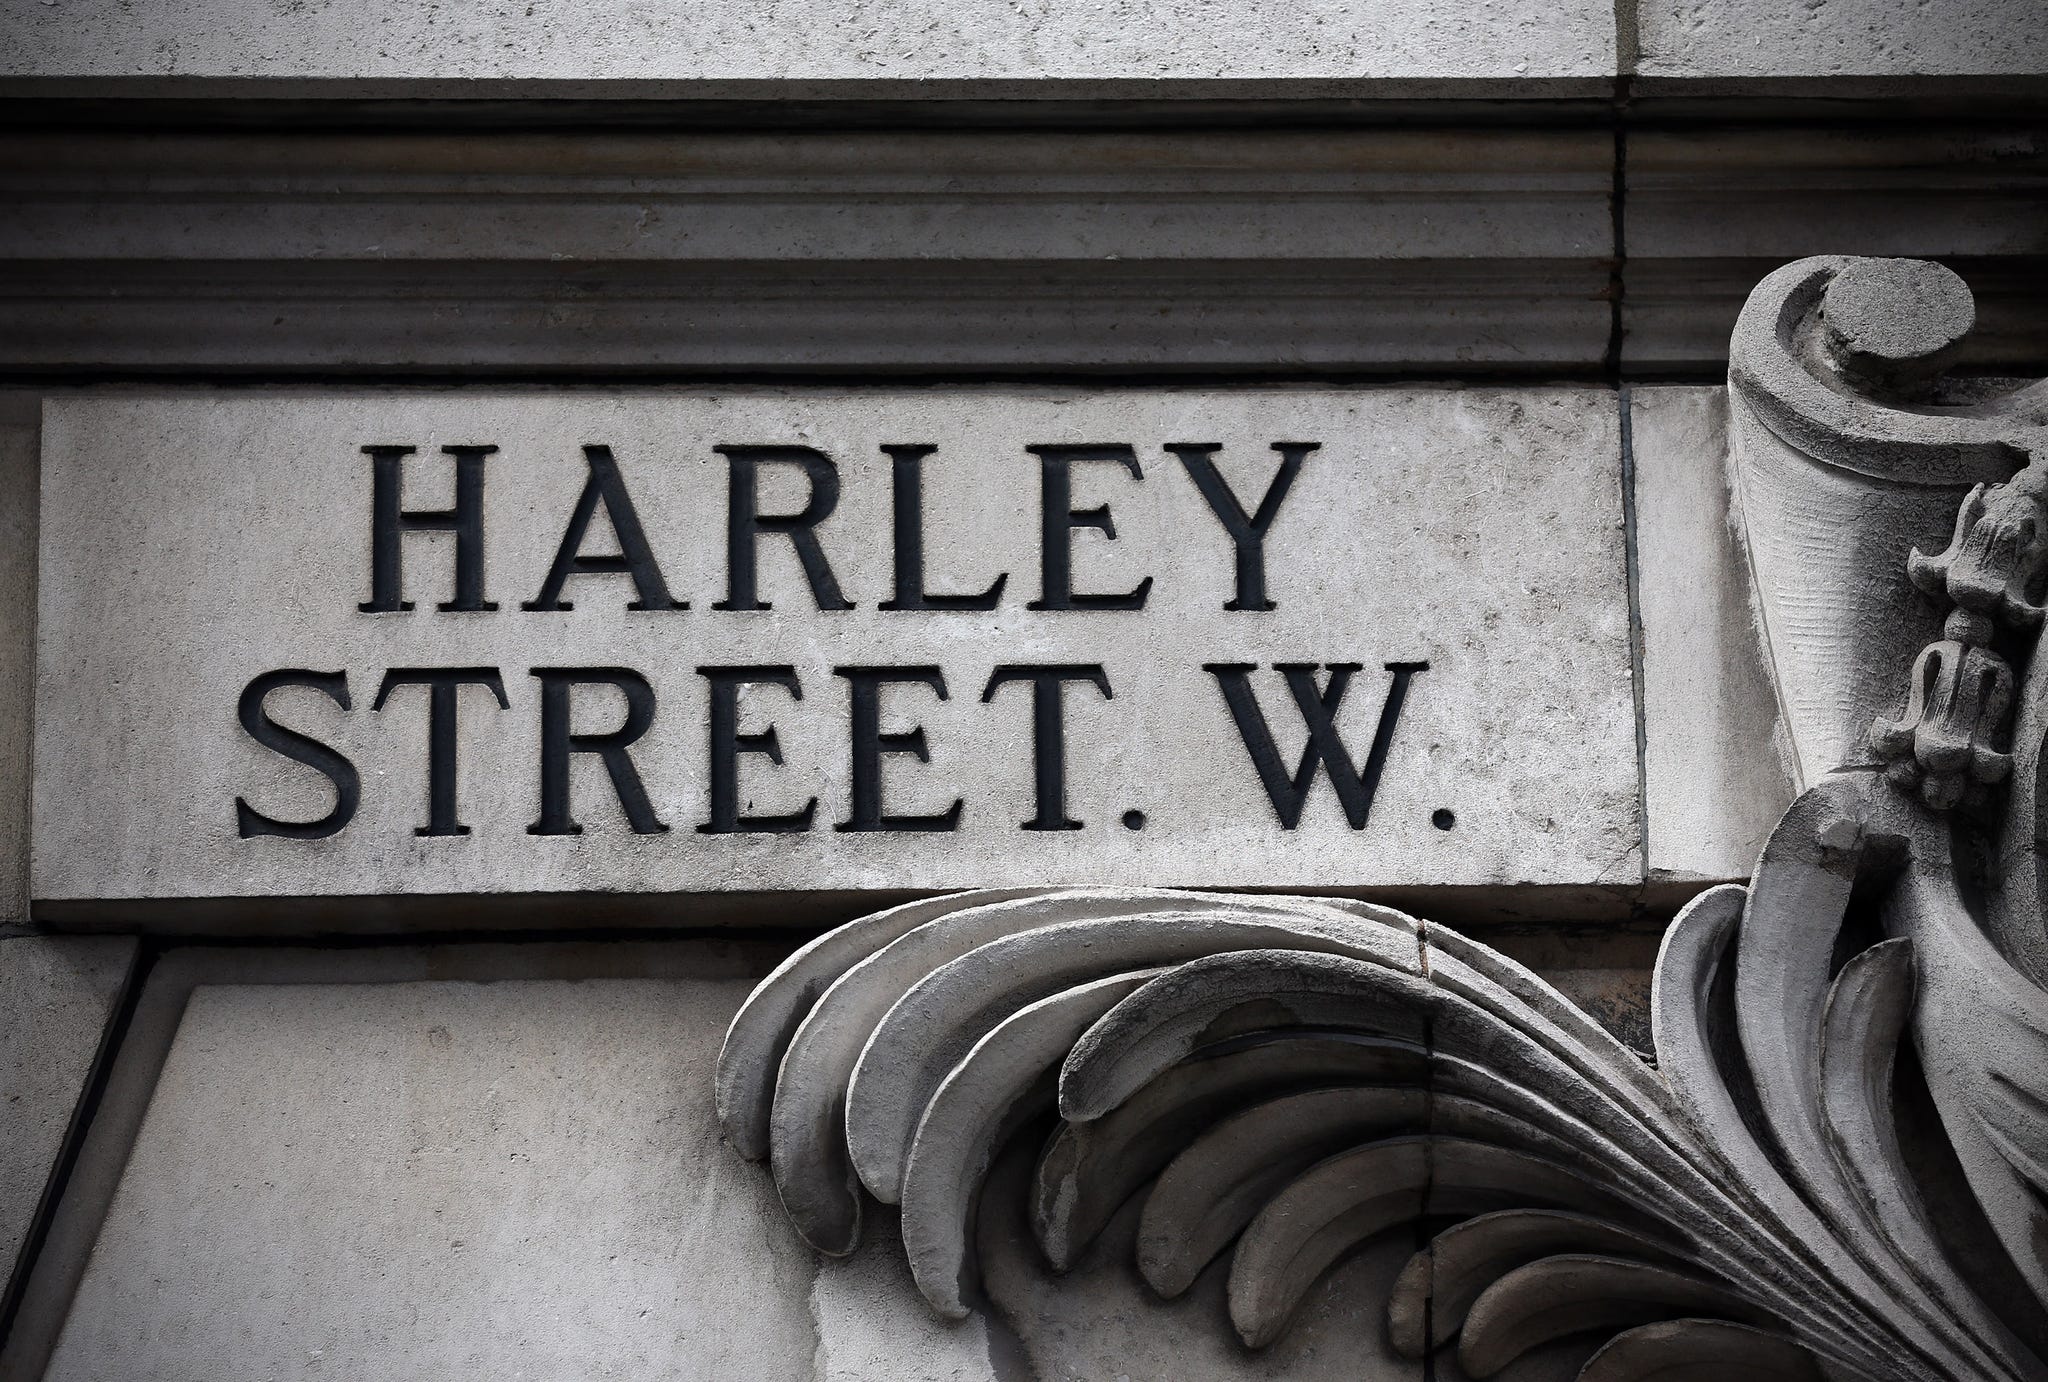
point(1355, 787)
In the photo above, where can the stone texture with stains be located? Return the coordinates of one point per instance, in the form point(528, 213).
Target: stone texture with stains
point(796, 47)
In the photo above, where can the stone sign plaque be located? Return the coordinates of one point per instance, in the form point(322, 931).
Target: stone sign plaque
point(826, 640)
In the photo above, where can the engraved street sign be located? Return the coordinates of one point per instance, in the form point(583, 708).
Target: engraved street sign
point(826, 640)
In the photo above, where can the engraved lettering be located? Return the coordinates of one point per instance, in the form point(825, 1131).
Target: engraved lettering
point(634, 557)
point(728, 743)
point(300, 748)
point(906, 467)
point(1049, 731)
point(558, 739)
point(1247, 532)
point(1325, 748)
point(1058, 518)
point(443, 704)
point(869, 743)
point(745, 523)
point(390, 521)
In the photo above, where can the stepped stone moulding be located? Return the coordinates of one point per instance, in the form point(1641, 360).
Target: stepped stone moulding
point(1834, 1165)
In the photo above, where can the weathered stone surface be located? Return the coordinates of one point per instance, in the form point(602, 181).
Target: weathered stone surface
point(1475, 530)
point(1716, 775)
point(406, 1177)
point(1842, 38)
point(1271, 1076)
point(986, 47)
point(428, 1180)
point(1605, 972)
point(794, 48)
point(1893, 521)
point(56, 996)
point(1122, 48)
point(874, 1327)
point(1618, 1219)
point(1099, 1320)
point(733, 198)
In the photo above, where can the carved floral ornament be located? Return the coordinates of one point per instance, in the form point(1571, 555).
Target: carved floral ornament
point(1281, 1079)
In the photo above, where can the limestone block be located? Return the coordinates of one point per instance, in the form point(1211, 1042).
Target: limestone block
point(1477, 531)
point(1715, 776)
point(1686, 39)
point(56, 996)
point(794, 47)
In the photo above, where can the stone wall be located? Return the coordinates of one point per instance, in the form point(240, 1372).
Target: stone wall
point(379, 1122)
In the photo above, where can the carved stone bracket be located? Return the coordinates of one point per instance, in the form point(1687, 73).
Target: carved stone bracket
point(1281, 1079)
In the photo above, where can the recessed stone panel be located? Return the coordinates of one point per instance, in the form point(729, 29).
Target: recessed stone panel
point(233, 701)
point(513, 1169)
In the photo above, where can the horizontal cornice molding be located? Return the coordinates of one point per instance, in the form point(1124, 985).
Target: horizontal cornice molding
point(751, 316)
point(619, 251)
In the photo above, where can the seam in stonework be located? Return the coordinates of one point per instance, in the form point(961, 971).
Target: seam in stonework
point(112, 1037)
point(1626, 49)
point(1617, 231)
point(1423, 1240)
point(1632, 564)
point(1628, 39)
